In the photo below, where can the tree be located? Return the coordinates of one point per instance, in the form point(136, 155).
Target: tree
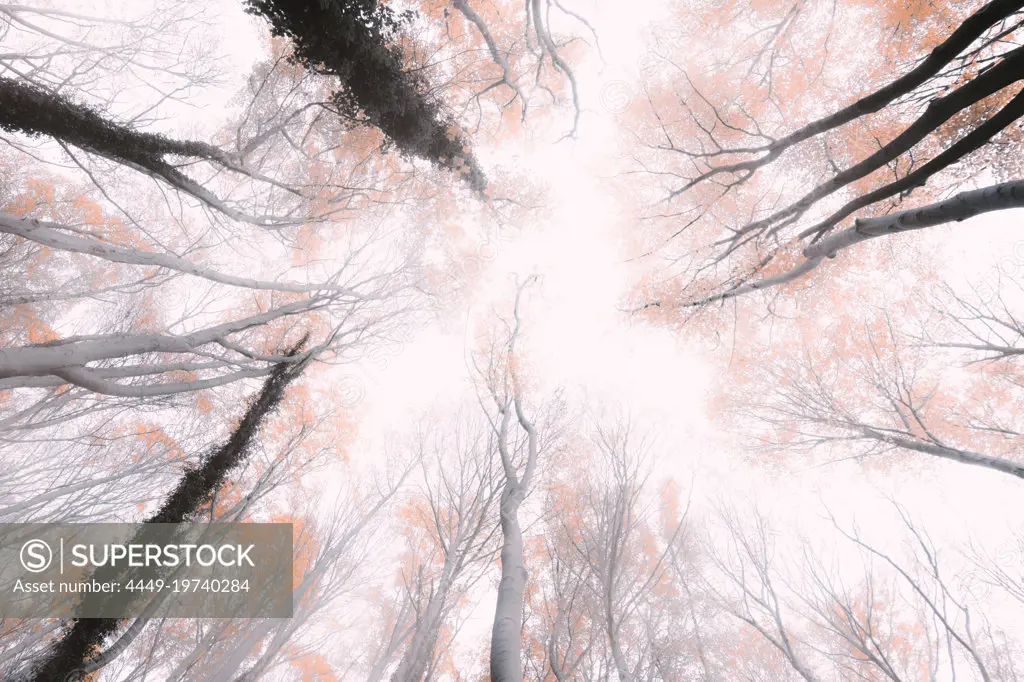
point(943, 116)
point(354, 41)
point(899, 619)
point(758, 178)
point(86, 635)
point(151, 358)
point(609, 527)
point(160, 264)
point(452, 532)
point(139, 269)
point(518, 448)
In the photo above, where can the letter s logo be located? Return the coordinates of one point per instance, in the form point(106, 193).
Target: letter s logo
point(36, 556)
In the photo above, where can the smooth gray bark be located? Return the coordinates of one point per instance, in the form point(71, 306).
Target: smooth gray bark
point(965, 205)
point(53, 236)
point(506, 634)
point(41, 360)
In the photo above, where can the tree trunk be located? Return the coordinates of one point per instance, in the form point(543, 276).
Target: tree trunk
point(506, 662)
point(71, 652)
point(418, 655)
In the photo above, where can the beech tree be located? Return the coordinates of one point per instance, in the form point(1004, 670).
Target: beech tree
point(453, 534)
point(85, 635)
point(519, 443)
point(359, 182)
point(759, 181)
point(900, 619)
point(627, 567)
point(734, 153)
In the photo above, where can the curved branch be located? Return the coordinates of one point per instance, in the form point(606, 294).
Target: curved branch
point(52, 235)
point(965, 34)
point(1007, 72)
point(507, 77)
point(47, 359)
point(971, 142)
point(965, 205)
point(547, 45)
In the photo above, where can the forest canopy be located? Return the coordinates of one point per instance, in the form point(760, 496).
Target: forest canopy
point(575, 340)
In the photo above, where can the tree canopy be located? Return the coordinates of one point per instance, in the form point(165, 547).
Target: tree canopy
point(574, 341)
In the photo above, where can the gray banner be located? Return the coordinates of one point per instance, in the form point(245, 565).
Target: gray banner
point(120, 570)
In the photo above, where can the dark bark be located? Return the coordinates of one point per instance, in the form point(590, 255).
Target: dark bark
point(1005, 73)
point(354, 41)
point(963, 147)
point(84, 637)
point(27, 109)
point(970, 30)
point(32, 111)
point(1002, 72)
